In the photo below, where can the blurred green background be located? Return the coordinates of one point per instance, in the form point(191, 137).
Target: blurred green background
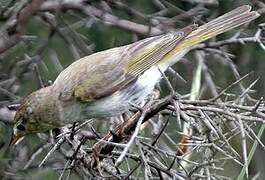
point(50, 51)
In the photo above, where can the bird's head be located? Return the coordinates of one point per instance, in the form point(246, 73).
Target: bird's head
point(25, 122)
point(34, 115)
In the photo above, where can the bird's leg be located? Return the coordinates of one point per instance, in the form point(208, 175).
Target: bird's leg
point(97, 148)
point(123, 130)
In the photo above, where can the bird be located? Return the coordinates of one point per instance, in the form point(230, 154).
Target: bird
point(107, 83)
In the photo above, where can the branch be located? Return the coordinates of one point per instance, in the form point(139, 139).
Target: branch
point(15, 26)
point(104, 17)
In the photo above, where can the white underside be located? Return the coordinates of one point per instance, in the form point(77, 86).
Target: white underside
point(120, 101)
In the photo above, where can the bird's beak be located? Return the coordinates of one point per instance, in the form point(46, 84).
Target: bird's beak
point(15, 139)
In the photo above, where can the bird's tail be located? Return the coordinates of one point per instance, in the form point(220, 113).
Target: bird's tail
point(226, 22)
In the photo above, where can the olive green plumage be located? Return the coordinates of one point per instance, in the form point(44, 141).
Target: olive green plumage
point(105, 83)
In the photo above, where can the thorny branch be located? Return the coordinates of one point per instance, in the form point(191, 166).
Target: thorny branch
point(148, 139)
point(16, 24)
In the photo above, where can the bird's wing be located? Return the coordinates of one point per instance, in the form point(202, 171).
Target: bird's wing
point(92, 77)
point(147, 53)
point(115, 68)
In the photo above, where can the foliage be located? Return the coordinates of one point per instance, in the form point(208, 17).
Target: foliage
point(225, 113)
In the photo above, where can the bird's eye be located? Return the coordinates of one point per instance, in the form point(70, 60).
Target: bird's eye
point(21, 127)
point(29, 110)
